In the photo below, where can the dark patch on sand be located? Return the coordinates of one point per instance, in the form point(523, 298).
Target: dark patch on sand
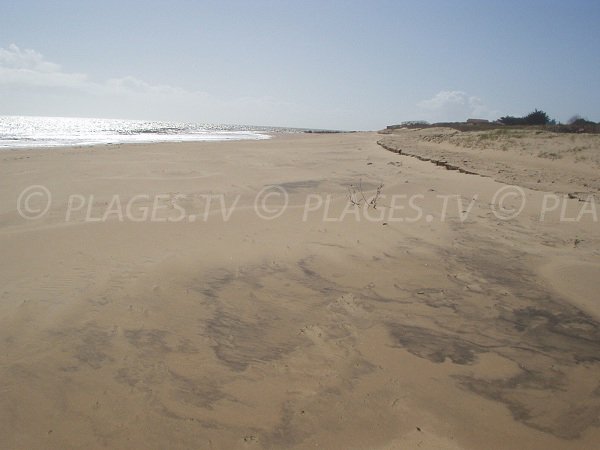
point(315, 281)
point(434, 346)
point(143, 376)
point(566, 418)
point(92, 351)
point(238, 341)
point(294, 186)
point(566, 331)
point(92, 344)
point(196, 392)
point(215, 281)
point(148, 340)
point(555, 345)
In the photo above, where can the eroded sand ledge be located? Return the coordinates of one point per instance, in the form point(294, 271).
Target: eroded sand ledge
point(246, 333)
point(539, 160)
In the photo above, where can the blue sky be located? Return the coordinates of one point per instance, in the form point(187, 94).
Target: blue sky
point(324, 64)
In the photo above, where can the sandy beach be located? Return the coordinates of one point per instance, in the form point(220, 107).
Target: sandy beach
point(253, 294)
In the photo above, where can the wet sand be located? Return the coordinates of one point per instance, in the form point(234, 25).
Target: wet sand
point(327, 327)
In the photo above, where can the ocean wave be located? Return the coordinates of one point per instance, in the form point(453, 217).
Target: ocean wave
point(29, 131)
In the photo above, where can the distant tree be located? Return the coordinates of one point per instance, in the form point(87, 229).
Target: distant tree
point(510, 120)
point(536, 118)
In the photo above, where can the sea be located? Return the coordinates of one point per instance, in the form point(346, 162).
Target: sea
point(29, 131)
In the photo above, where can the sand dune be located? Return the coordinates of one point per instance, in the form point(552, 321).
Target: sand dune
point(540, 160)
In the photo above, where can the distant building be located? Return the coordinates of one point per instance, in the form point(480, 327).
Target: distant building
point(477, 121)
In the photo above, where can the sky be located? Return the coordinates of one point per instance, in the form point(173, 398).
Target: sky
point(351, 65)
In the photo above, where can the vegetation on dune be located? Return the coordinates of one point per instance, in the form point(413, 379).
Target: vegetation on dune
point(578, 124)
point(537, 118)
point(533, 118)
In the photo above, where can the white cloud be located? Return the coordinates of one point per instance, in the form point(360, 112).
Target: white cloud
point(31, 85)
point(29, 68)
point(41, 83)
point(133, 85)
point(455, 106)
point(17, 59)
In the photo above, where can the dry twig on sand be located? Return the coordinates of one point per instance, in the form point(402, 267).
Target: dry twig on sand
point(357, 196)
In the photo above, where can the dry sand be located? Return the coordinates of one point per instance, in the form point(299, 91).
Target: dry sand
point(452, 331)
point(540, 160)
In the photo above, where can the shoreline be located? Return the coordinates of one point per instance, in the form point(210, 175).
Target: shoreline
point(270, 135)
point(157, 142)
point(25, 132)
